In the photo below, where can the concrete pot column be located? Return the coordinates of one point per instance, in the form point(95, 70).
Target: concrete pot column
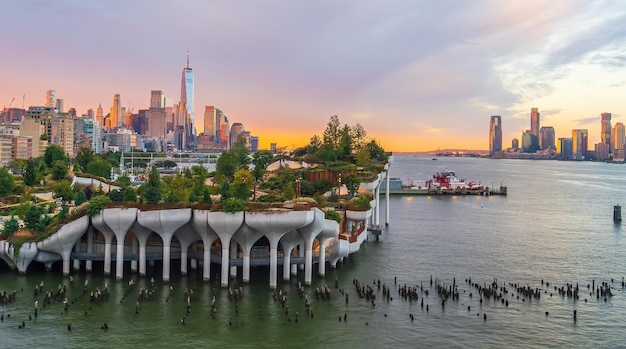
point(88, 263)
point(186, 236)
point(199, 223)
point(6, 254)
point(194, 262)
point(330, 230)
point(76, 263)
point(309, 233)
point(62, 242)
point(225, 225)
point(21, 260)
point(119, 221)
point(289, 241)
point(246, 237)
point(98, 222)
point(142, 235)
point(134, 249)
point(274, 225)
point(165, 223)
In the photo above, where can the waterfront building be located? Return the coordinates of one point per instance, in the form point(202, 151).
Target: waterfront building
point(564, 148)
point(605, 135)
point(527, 142)
point(116, 112)
point(546, 138)
point(601, 151)
point(619, 136)
point(579, 144)
point(515, 144)
point(495, 134)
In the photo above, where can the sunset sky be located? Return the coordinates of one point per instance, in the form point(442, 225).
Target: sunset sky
point(417, 75)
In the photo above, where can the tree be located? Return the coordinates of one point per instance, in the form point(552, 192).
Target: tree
point(10, 226)
point(98, 167)
point(31, 217)
point(241, 185)
point(362, 157)
point(332, 134)
point(226, 165)
point(64, 190)
point(225, 193)
point(80, 198)
point(376, 151)
point(84, 157)
point(345, 141)
point(30, 172)
point(261, 159)
point(97, 204)
point(53, 153)
point(123, 181)
point(42, 223)
point(352, 182)
point(241, 154)
point(152, 193)
point(206, 196)
point(63, 212)
point(175, 188)
point(115, 195)
point(130, 195)
point(7, 183)
point(59, 170)
point(359, 136)
point(18, 166)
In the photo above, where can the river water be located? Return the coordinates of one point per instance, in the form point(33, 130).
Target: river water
point(555, 225)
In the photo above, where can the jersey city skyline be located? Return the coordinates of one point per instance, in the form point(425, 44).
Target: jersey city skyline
point(417, 77)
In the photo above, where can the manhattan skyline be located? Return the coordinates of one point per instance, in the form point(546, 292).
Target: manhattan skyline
point(417, 75)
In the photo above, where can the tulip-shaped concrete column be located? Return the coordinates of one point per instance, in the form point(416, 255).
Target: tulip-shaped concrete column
point(225, 225)
point(142, 235)
point(289, 241)
point(88, 264)
point(186, 236)
point(330, 230)
point(199, 223)
point(119, 221)
point(23, 257)
point(98, 222)
point(309, 233)
point(246, 237)
point(274, 225)
point(63, 241)
point(165, 223)
point(6, 253)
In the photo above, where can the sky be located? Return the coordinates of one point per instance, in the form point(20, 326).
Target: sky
point(417, 75)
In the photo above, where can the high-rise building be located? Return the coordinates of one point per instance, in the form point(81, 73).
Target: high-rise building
point(605, 135)
point(534, 129)
point(116, 112)
point(100, 115)
point(547, 138)
point(157, 99)
point(495, 134)
point(564, 148)
point(186, 97)
point(209, 121)
point(534, 122)
point(51, 99)
point(579, 144)
point(619, 136)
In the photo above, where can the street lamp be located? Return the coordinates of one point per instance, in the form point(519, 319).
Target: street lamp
point(339, 191)
point(297, 187)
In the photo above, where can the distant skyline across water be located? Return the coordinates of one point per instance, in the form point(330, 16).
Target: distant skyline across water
point(416, 75)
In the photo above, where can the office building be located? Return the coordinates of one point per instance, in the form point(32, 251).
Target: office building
point(495, 134)
point(605, 133)
point(579, 144)
point(187, 99)
point(116, 112)
point(547, 138)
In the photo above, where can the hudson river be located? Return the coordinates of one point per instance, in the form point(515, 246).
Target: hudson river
point(555, 225)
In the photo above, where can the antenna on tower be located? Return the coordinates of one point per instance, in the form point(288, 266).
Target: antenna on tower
point(187, 59)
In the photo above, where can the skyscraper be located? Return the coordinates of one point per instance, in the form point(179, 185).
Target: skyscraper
point(534, 129)
point(495, 134)
point(157, 99)
point(100, 115)
point(51, 99)
point(619, 135)
point(186, 97)
point(605, 136)
point(547, 138)
point(579, 144)
point(209, 121)
point(116, 111)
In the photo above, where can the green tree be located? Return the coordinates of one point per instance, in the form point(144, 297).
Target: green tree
point(84, 157)
point(376, 151)
point(123, 181)
point(59, 170)
point(332, 133)
point(225, 192)
point(206, 196)
point(226, 165)
point(80, 198)
point(7, 183)
point(53, 153)
point(42, 223)
point(352, 182)
point(362, 157)
point(64, 190)
point(97, 204)
point(241, 185)
point(241, 153)
point(345, 141)
point(232, 205)
point(130, 195)
point(18, 166)
point(288, 191)
point(152, 194)
point(10, 226)
point(30, 172)
point(63, 212)
point(115, 195)
point(99, 167)
point(31, 217)
point(359, 136)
